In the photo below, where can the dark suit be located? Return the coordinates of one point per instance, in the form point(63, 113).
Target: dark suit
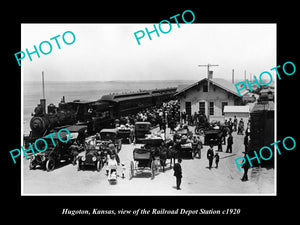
point(245, 166)
point(210, 156)
point(178, 174)
point(229, 144)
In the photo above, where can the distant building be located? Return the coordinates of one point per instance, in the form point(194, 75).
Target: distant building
point(250, 97)
point(266, 94)
point(209, 96)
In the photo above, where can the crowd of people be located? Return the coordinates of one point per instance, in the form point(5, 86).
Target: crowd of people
point(168, 115)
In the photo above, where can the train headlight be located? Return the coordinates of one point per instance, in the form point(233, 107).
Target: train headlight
point(83, 158)
point(94, 158)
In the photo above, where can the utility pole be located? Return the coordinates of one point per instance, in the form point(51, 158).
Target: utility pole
point(208, 65)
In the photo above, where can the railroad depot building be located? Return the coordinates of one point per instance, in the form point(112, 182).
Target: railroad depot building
point(209, 96)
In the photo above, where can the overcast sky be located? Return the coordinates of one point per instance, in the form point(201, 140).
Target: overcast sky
point(104, 52)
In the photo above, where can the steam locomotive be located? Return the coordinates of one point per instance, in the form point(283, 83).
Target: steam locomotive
point(96, 115)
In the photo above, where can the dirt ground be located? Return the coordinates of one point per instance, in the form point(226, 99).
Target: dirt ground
point(197, 178)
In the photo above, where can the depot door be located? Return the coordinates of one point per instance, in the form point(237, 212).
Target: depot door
point(188, 108)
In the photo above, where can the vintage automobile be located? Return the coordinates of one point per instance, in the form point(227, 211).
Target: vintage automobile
point(212, 136)
point(141, 129)
point(126, 134)
point(68, 151)
point(112, 136)
point(186, 151)
point(95, 155)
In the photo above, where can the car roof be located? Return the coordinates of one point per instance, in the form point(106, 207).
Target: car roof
point(109, 130)
point(143, 123)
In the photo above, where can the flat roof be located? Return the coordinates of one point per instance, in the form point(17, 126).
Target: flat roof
point(237, 108)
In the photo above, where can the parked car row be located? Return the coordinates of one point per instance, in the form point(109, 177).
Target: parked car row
point(89, 151)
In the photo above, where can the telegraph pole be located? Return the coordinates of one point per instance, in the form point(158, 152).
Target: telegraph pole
point(208, 65)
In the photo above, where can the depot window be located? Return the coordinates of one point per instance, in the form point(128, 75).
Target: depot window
point(211, 108)
point(202, 107)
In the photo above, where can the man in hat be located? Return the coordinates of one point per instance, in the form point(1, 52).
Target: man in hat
point(195, 143)
point(241, 127)
point(210, 155)
point(235, 123)
point(178, 173)
point(245, 166)
point(229, 143)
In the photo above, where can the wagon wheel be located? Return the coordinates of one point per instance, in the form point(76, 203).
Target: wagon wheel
point(131, 171)
point(74, 158)
point(130, 140)
point(99, 165)
point(119, 146)
point(153, 170)
point(31, 164)
point(50, 164)
point(78, 165)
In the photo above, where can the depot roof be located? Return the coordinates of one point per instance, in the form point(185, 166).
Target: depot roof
point(222, 83)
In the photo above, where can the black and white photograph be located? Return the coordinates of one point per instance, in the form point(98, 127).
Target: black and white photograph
point(130, 109)
point(119, 112)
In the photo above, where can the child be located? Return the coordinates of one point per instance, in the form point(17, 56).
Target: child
point(123, 170)
point(217, 159)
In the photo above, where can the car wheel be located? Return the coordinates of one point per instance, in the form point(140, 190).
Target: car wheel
point(31, 164)
point(152, 169)
point(78, 165)
point(74, 160)
point(50, 164)
point(131, 171)
point(99, 165)
point(120, 146)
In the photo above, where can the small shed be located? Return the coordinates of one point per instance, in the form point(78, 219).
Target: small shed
point(240, 111)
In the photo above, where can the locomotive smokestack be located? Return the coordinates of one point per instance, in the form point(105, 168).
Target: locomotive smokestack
point(43, 84)
point(43, 100)
point(43, 105)
point(233, 76)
